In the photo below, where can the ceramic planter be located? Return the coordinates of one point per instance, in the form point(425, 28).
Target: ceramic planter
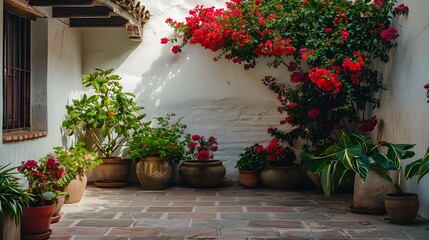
point(248, 179)
point(59, 202)
point(282, 177)
point(402, 207)
point(113, 172)
point(202, 174)
point(76, 188)
point(8, 229)
point(154, 173)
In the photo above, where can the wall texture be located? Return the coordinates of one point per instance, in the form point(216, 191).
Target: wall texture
point(404, 109)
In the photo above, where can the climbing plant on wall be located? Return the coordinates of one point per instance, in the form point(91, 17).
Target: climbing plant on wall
point(328, 47)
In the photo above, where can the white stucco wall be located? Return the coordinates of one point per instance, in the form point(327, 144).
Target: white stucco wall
point(404, 108)
point(215, 98)
point(64, 74)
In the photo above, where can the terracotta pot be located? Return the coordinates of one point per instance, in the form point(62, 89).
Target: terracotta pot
point(113, 172)
point(249, 179)
point(282, 177)
point(59, 202)
point(76, 188)
point(8, 229)
point(154, 173)
point(368, 196)
point(402, 207)
point(36, 221)
point(202, 174)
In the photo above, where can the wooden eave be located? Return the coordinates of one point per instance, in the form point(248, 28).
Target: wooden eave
point(21, 8)
point(130, 14)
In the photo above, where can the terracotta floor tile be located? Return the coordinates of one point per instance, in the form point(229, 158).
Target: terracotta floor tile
point(105, 223)
point(135, 232)
point(190, 232)
point(169, 209)
point(270, 209)
point(78, 230)
point(219, 209)
point(191, 216)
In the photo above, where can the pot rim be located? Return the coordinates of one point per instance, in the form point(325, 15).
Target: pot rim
point(397, 195)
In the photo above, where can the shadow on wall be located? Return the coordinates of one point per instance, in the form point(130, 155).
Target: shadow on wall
point(116, 49)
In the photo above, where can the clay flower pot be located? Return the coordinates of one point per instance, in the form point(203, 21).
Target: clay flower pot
point(36, 221)
point(282, 177)
point(202, 174)
point(154, 173)
point(402, 207)
point(248, 179)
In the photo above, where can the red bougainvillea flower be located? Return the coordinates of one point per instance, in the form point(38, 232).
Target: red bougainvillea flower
point(389, 34)
point(196, 137)
point(314, 112)
point(378, 2)
point(164, 40)
point(426, 86)
point(325, 80)
point(354, 65)
point(298, 77)
point(175, 49)
point(402, 9)
point(258, 2)
point(368, 124)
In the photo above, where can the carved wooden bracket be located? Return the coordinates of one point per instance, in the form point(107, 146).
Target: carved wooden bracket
point(130, 14)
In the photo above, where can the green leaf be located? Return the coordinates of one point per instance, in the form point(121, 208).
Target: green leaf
point(313, 163)
point(412, 169)
point(380, 171)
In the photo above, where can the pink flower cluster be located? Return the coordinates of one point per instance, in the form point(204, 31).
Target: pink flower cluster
point(202, 149)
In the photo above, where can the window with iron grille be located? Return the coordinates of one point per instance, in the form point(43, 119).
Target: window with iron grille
point(16, 72)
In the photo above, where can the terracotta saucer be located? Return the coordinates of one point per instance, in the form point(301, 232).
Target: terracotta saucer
point(56, 218)
point(40, 236)
point(102, 184)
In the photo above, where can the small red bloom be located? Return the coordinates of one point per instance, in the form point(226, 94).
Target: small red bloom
point(313, 113)
point(389, 34)
point(164, 40)
point(196, 137)
point(175, 49)
point(426, 86)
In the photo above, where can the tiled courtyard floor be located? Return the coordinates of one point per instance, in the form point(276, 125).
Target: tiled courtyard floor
point(223, 213)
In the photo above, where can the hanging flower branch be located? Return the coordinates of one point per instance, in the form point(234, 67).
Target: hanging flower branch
point(326, 45)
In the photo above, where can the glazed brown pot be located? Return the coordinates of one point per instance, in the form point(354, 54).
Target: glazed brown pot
point(154, 173)
point(36, 221)
point(113, 172)
point(282, 177)
point(402, 207)
point(76, 188)
point(202, 174)
point(248, 179)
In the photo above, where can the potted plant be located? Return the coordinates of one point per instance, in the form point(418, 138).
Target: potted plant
point(12, 200)
point(43, 180)
point(202, 170)
point(403, 207)
point(108, 117)
point(77, 160)
point(156, 148)
point(280, 172)
point(357, 154)
point(249, 165)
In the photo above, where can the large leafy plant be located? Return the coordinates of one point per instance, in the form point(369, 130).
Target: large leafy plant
point(418, 168)
point(355, 154)
point(13, 197)
point(109, 109)
point(327, 46)
point(166, 139)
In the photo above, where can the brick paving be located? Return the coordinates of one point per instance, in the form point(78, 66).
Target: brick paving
point(230, 212)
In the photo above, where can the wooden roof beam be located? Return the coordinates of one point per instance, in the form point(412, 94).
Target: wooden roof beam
point(114, 21)
point(60, 2)
point(80, 12)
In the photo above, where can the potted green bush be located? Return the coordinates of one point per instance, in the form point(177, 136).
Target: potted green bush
point(77, 160)
point(108, 117)
point(358, 154)
point(12, 199)
point(403, 207)
point(249, 165)
point(156, 148)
